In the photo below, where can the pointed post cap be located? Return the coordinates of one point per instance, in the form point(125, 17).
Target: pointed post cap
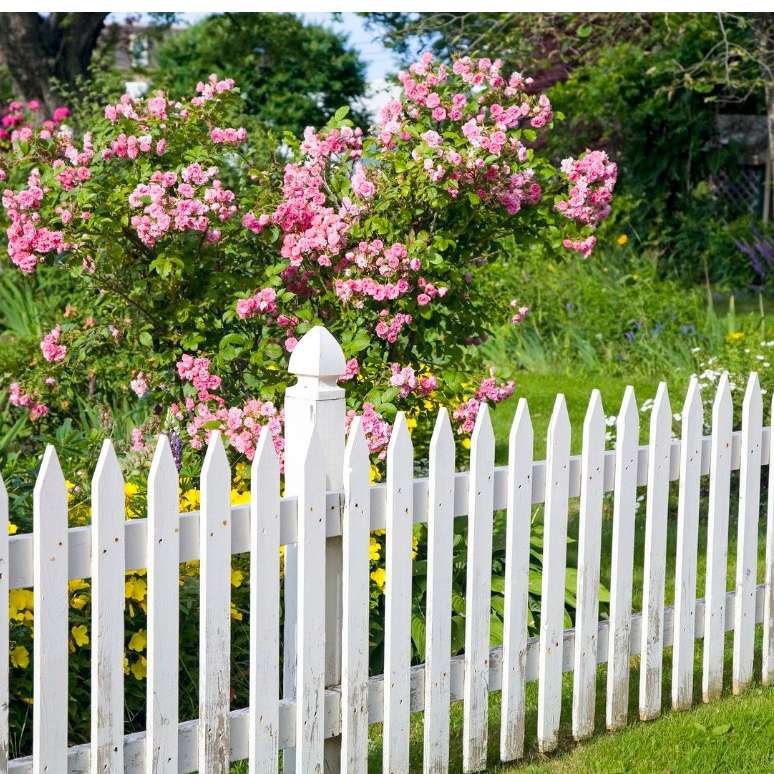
point(317, 354)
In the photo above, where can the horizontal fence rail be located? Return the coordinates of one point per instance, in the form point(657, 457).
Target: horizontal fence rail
point(315, 703)
point(20, 546)
point(134, 744)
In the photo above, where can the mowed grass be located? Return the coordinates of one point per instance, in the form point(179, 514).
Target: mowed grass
point(732, 734)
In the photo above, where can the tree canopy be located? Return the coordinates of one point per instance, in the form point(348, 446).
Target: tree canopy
point(291, 74)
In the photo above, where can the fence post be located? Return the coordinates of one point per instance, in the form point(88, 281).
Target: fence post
point(315, 401)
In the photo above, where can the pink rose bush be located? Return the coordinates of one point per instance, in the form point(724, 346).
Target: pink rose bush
point(195, 263)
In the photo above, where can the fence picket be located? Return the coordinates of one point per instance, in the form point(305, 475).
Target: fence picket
point(767, 666)
point(49, 536)
point(163, 611)
point(107, 614)
point(747, 540)
point(215, 610)
point(478, 593)
point(519, 513)
point(263, 730)
point(717, 541)
point(624, 512)
point(589, 547)
point(356, 599)
point(397, 607)
point(553, 577)
point(440, 538)
point(652, 643)
point(310, 695)
point(687, 540)
point(4, 631)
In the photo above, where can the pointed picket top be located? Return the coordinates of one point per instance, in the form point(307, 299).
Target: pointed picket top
point(628, 414)
point(560, 419)
point(215, 460)
point(442, 440)
point(265, 458)
point(723, 402)
point(661, 416)
point(108, 471)
point(357, 446)
point(400, 440)
point(521, 429)
point(752, 396)
point(163, 463)
point(693, 407)
point(50, 476)
point(482, 438)
point(317, 354)
point(595, 415)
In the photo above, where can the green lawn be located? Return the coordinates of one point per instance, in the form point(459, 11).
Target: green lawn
point(733, 734)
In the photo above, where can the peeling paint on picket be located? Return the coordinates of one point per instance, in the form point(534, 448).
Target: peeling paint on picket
point(323, 723)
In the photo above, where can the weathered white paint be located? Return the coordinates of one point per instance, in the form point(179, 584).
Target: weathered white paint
point(107, 614)
point(356, 601)
point(478, 593)
point(163, 612)
point(50, 657)
point(767, 665)
point(652, 646)
point(553, 577)
point(517, 532)
point(440, 539)
point(263, 732)
point(316, 400)
point(215, 610)
point(717, 541)
point(687, 540)
point(311, 612)
point(79, 565)
point(624, 512)
point(747, 539)
point(397, 605)
point(4, 631)
point(589, 547)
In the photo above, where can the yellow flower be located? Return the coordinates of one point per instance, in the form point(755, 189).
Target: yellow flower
point(735, 336)
point(466, 443)
point(379, 576)
point(411, 423)
point(131, 489)
point(70, 486)
point(374, 550)
point(20, 605)
point(80, 635)
point(20, 657)
point(622, 239)
point(237, 576)
point(414, 546)
point(135, 588)
point(375, 474)
point(236, 614)
point(77, 585)
point(79, 601)
point(190, 500)
point(126, 665)
point(12, 529)
point(139, 668)
point(240, 498)
point(138, 641)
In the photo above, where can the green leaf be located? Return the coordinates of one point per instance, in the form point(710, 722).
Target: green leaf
point(584, 31)
point(724, 728)
point(146, 339)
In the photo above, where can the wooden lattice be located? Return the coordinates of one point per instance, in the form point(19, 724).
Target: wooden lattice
point(743, 189)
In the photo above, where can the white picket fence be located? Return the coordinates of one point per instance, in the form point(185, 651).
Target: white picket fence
point(325, 518)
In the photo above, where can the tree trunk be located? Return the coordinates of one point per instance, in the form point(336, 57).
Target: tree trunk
point(38, 49)
point(763, 29)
